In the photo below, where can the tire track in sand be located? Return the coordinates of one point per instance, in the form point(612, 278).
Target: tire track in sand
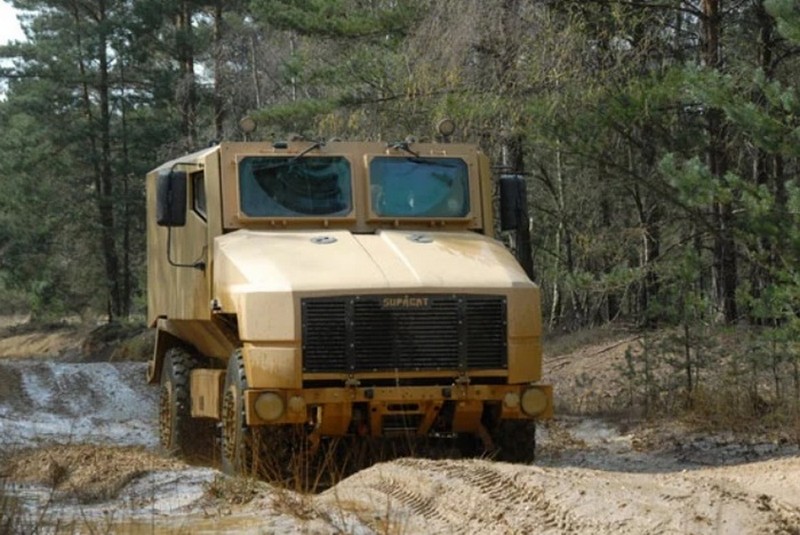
point(510, 495)
point(474, 496)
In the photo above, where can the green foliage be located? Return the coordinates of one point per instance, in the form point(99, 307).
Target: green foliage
point(787, 16)
point(662, 183)
point(302, 113)
point(645, 160)
point(694, 184)
point(770, 122)
point(346, 56)
point(341, 19)
point(82, 125)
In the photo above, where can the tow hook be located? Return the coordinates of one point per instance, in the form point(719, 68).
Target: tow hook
point(352, 382)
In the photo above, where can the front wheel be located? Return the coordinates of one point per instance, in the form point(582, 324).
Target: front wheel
point(278, 453)
point(236, 435)
point(515, 441)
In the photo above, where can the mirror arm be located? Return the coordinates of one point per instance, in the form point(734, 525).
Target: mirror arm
point(197, 264)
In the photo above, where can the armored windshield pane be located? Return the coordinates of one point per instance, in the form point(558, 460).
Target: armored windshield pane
point(295, 187)
point(419, 187)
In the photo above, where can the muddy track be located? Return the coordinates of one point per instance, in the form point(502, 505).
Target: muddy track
point(778, 515)
point(479, 496)
point(466, 496)
point(507, 494)
point(422, 504)
point(45, 402)
point(591, 476)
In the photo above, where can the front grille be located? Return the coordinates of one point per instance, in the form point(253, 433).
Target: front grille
point(420, 332)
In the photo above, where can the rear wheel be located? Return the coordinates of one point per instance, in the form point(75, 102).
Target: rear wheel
point(179, 433)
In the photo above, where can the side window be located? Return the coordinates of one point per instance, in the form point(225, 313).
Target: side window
point(199, 194)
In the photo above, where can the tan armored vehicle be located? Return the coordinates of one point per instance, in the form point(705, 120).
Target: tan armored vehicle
point(344, 289)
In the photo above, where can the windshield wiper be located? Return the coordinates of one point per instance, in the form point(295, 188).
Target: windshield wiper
point(404, 146)
point(315, 145)
point(427, 161)
point(293, 159)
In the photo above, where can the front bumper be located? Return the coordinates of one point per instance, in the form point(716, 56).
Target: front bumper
point(381, 410)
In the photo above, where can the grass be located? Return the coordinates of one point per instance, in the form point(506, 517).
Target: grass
point(15, 517)
point(237, 490)
point(719, 379)
point(82, 487)
point(128, 341)
point(294, 486)
point(557, 343)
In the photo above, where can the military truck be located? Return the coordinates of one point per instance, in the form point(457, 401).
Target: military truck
point(345, 289)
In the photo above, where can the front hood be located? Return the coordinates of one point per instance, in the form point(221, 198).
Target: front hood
point(332, 261)
point(256, 271)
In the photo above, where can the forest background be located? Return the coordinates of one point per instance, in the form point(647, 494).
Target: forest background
point(660, 142)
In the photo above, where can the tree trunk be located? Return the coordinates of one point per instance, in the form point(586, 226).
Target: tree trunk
point(254, 70)
point(127, 278)
point(607, 259)
point(725, 265)
point(219, 104)
point(650, 219)
point(760, 276)
point(514, 161)
point(188, 93)
point(101, 160)
point(106, 193)
point(555, 308)
point(649, 211)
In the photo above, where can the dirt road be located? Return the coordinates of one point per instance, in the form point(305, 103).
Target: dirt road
point(78, 443)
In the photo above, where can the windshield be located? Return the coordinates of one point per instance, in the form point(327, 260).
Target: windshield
point(295, 187)
point(419, 187)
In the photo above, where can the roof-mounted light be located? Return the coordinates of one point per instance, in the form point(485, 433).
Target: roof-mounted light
point(446, 127)
point(247, 124)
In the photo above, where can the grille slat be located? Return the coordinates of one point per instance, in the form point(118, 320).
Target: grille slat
point(358, 333)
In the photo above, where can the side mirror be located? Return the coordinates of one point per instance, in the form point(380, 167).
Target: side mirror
point(171, 199)
point(513, 199)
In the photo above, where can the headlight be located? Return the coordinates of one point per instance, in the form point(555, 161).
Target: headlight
point(269, 406)
point(533, 402)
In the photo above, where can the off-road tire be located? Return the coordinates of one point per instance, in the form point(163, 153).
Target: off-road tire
point(237, 437)
point(179, 433)
point(276, 453)
point(469, 446)
point(514, 441)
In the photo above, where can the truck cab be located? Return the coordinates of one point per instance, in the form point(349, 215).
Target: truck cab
point(319, 290)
